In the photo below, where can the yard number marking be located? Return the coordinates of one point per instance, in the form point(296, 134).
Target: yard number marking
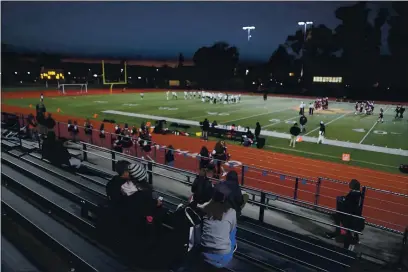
point(167, 108)
point(381, 132)
point(218, 113)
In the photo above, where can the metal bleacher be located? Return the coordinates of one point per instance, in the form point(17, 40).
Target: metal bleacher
point(61, 208)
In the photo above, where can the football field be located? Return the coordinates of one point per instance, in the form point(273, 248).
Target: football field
point(277, 114)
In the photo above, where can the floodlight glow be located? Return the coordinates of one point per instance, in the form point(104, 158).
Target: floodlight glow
point(28, 73)
point(248, 29)
point(301, 23)
point(69, 73)
point(95, 75)
point(139, 77)
point(15, 73)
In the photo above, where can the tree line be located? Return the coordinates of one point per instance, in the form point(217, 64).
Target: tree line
point(354, 45)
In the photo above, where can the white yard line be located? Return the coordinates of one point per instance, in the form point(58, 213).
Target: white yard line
point(327, 123)
point(258, 115)
point(375, 123)
point(280, 122)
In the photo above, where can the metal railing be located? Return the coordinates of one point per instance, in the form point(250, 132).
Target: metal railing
point(149, 164)
point(319, 194)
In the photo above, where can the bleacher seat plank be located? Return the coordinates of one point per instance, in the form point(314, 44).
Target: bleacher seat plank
point(12, 260)
point(88, 256)
point(63, 186)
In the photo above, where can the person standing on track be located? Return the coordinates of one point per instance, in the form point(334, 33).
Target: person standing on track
point(294, 132)
point(42, 98)
point(322, 132)
point(141, 95)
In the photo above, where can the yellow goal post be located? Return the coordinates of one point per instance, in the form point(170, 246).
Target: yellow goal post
point(105, 82)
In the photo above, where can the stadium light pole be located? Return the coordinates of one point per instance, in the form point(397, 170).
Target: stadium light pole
point(305, 24)
point(248, 30)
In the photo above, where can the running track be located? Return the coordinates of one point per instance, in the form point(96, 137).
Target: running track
point(276, 172)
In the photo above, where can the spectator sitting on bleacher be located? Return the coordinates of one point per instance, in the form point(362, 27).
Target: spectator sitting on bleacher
point(55, 151)
point(349, 204)
point(50, 122)
point(204, 157)
point(218, 238)
point(236, 199)
point(202, 188)
point(113, 187)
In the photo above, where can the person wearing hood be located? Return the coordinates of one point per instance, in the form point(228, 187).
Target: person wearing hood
point(322, 133)
point(202, 188)
point(236, 198)
point(349, 205)
point(257, 130)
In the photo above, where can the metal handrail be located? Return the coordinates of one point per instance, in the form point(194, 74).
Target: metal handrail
point(260, 204)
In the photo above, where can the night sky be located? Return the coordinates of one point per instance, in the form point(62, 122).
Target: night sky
point(157, 29)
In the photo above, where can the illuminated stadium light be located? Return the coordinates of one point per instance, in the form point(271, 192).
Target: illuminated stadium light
point(15, 73)
point(95, 75)
point(253, 83)
point(157, 70)
point(121, 70)
point(69, 73)
point(139, 77)
point(21, 81)
point(89, 70)
point(129, 77)
point(248, 29)
point(291, 74)
point(246, 72)
point(28, 73)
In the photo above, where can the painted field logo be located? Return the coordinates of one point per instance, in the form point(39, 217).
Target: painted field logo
point(167, 108)
point(290, 122)
point(218, 113)
point(233, 164)
point(361, 130)
point(275, 120)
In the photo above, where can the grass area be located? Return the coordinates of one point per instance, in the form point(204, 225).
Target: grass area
point(276, 114)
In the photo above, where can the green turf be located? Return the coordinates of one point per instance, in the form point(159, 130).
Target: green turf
point(340, 118)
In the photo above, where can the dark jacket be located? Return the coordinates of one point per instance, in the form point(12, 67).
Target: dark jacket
point(169, 157)
point(351, 204)
point(206, 125)
point(323, 129)
point(303, 120)
point(235, 198)
point(55, 152)
point(295, 131)
point(257, 131)
point(202, 190)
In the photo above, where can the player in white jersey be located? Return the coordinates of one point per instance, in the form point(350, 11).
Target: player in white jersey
point(167, 95)
point(141, 95)
point(185, 95)
point(174, 95)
